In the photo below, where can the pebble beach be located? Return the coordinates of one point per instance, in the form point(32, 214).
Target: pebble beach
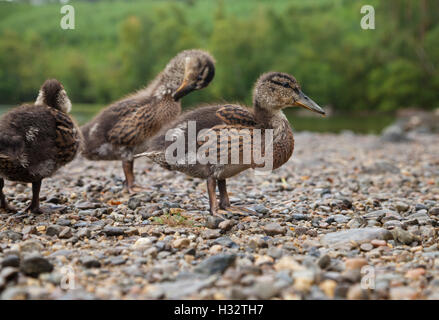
point(347, 217)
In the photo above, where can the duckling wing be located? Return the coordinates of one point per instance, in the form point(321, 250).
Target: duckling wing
point(68, 136)
point(236, 115)
point(133, 127)
point(234, 144)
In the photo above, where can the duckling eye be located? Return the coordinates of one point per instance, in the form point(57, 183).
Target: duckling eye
point(283, 84)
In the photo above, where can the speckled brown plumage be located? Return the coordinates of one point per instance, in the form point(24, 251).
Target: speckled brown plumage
point(36, 140)
point(273, 92)
point(124, 128)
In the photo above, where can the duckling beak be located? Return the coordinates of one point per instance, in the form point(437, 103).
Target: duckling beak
point(307, 103)
point(184, 89)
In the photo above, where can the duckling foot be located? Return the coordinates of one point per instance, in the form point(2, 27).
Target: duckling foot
point(36, 209)
point(136, 189)
point(239, 210)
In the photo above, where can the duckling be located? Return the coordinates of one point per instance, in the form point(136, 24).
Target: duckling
point(123, 129)
point(36, 140)
point(273, 91)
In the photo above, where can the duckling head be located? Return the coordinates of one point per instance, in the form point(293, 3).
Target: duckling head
point(53, 94)
point(275, 90)
point(194, 70)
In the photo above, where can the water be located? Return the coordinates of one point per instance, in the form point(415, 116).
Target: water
point(364, 124)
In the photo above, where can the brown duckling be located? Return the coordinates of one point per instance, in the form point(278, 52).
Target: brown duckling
point(36, 140)
point(273, 92)
point(123, 129)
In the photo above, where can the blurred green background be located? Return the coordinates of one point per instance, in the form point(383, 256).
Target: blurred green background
point(364, 76)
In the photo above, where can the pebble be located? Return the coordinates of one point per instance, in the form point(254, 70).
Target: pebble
point(346, 237)
point(402, 293)
point(330, 217)
point(355, 263)
point(226, 225)
point(90, 262)
point(11, 261)
point(181, 243)
point(324, 261)
point(273, 229)
point(34, 264)
point(114, 231)
point(142, 244)
point(215, 264)
point(225, 242)
point(367, 246)
point(211, 234)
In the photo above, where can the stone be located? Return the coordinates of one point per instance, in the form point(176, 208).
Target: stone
point(259, 208)
point(288, 263)
point(117, 261)
point(434, 211)
point(394, 133)
point(215, 264)
point(134, 203)
point(65, 233)
point(83, 233)
point(31, 245)
point(142, 244)
point(11, 261)
point(114, 231)
point(63, 222)
point(355, 263)
point(402, 293)
point(212, 222)
point(401, 206)
point(87, 205)
point(11, 235)
point(403, 236)
point(381, 167)
point(366, 246)
point(359, 235)
point(378, 243)
point(215, 249)
point(274, 229)
point(34, 264)
point(420, 216)
point(181, 243)
point(328, 288)
point(181, 288)
point(260, 260)
point(90, 262)
point(211, 234)
point(324, 261)
point(225, 242)
point(226, 225)
point(377, 215)
point(415, 274)
point(355, 292)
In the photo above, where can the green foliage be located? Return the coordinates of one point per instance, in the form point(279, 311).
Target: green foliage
point(119, 46)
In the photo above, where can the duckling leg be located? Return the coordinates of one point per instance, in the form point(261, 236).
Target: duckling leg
point(34, 206)
point(211, 190)
point(225, 202)
point(3, 203)
point(224, 197)
point(128, 166)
